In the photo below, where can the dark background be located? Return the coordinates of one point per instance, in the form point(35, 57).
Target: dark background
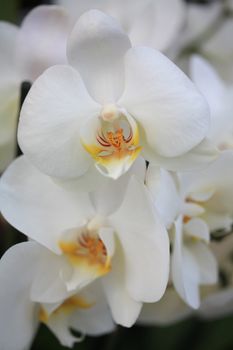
point(191, 334)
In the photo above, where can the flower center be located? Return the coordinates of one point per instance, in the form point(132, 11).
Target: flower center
point(115, 139)
point(92, 247)
point(87, 250)
point(116, 142)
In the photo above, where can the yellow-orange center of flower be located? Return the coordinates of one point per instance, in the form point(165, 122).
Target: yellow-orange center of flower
point(93, 247)
point(88, 250)
point(115, 139)
point(116, 142)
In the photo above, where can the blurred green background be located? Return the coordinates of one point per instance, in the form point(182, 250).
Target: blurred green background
point(191, 334)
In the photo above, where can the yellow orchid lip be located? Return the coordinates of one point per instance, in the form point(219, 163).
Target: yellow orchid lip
point(115, 148)
point(88, 252)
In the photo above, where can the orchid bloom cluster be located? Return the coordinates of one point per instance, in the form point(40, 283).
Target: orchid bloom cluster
point(124, 189)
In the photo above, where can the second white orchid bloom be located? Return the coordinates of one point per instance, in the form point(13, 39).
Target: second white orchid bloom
point(30, 287)
point(112, 103)
point(98, 235)
point(201, 203)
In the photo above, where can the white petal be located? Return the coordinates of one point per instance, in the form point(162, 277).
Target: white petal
point(18, 312)
point(50, 120)
point(39, 208)
point(89, 181)
point(110, 193)
point(48, 285)
point(184, 270)
point(203, 195)
point(197, 158)
point(165, 194)
point(96, 49)
point(215, 178)
point(42, 40)
point(207, 263)
point(97, 319)
point(124, 308)
point(192, 209)
point(145, 243)
point(85, 312)
point(81, 277)
point(191, 279)
point(99, 186)
point(197, 228)
point(173, 115)
point(59, 324)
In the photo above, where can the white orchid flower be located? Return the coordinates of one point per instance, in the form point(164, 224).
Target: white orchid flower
point(210, 191)
point(111, 103)
point(199, 203)
point(97, 235)
point(192, 262)
point(147, 22)
point(26, 299)
point(219, 96)
point(25, 52)
point(216, 300)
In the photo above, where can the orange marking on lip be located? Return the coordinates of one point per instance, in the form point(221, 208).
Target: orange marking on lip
point(89, 251)
point(186, 219)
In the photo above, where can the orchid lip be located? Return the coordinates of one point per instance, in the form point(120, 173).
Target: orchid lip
point(87, 251)
point(116, 142)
